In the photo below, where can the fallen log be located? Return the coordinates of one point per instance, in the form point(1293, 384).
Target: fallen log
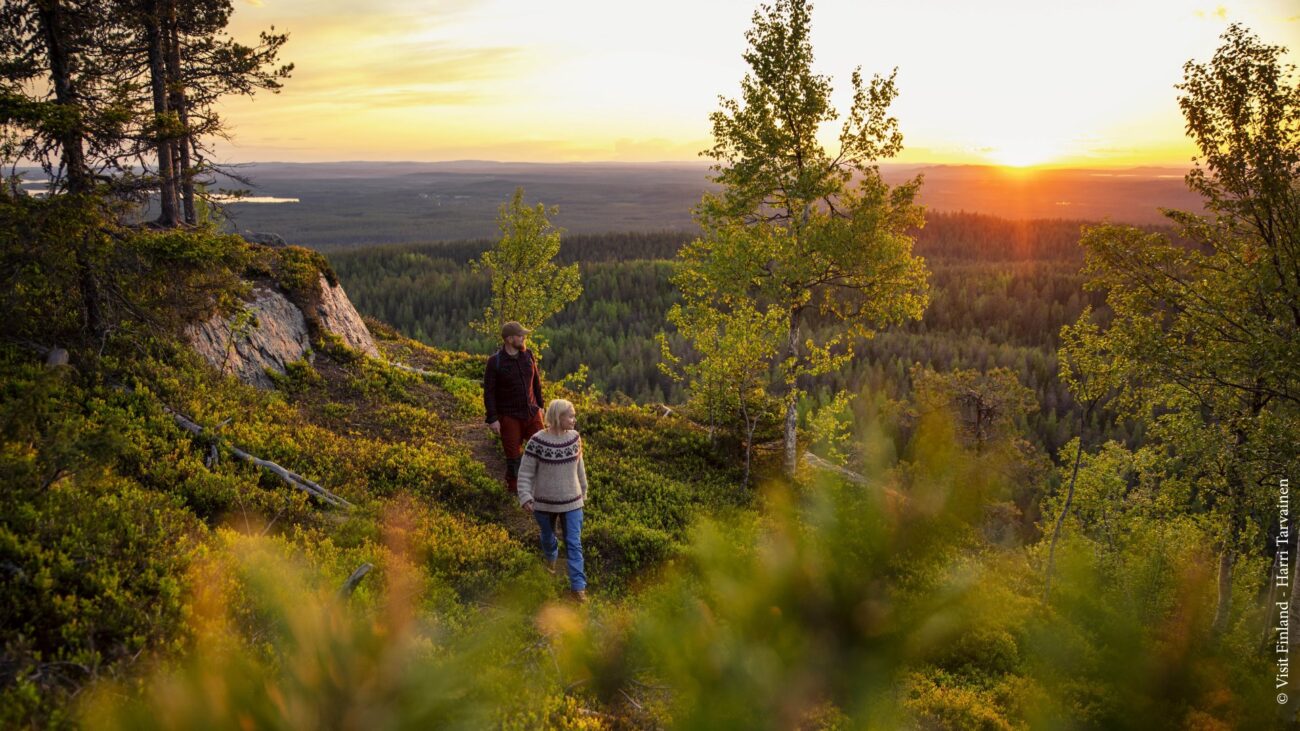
point(292, 478)
point(818, 463)
point(410, 369)
point(350, 585)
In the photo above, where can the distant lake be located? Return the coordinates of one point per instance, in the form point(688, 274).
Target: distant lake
point(34, 189)
point(228, 199)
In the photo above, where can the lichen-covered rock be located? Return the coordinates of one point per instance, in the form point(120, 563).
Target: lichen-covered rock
point(338, 316)
point(273, 331)
point(270, 333)
point(265, 239)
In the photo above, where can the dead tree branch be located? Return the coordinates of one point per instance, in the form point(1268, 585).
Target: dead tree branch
point(294, 479)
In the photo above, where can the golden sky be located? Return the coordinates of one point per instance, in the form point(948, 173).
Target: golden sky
point(1014, 82)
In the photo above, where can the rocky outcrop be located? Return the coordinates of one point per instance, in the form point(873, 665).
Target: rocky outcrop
point(272, 332)
point(338, 316)
point(268, 334)
point(265, 239)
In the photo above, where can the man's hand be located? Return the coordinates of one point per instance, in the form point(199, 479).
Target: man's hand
point(528, 506)
point(495, 427)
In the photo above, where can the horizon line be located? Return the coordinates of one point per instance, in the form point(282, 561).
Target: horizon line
point(702, 164)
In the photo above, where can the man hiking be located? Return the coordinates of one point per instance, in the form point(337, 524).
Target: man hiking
point(512, 397)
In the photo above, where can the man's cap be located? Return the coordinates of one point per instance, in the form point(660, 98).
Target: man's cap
point(513, 328)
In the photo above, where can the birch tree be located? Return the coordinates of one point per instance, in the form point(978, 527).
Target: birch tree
point(528, 286)
point(815, 233)
point(1204, 341)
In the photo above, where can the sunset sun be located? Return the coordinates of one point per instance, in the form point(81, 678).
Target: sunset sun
point(906, 364)
point(1020, 153)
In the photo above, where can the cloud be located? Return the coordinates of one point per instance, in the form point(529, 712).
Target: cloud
point(412, 64)
point(396, 55)
point(1220, 12)
point(416, 78)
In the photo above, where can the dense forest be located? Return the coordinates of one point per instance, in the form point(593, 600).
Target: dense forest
point(1002, 290)
point(1048, 490)
point(343, 205)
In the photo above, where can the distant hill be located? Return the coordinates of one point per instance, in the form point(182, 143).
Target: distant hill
point(1132, 195)
point(345, 204)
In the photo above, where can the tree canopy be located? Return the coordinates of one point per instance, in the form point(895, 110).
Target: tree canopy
point(528, 287)
point(796, 228)
point(1203, 343)
point(122, 93)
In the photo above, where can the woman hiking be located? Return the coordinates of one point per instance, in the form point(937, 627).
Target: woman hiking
point(553, 484)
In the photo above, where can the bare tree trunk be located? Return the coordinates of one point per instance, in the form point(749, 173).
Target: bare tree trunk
point(1228, 556)
point(168, 215)
point(1223, 608)
point(53, 22)
point(1271, 596)
point(791, 432)
point(749, 436)
point(1060, 520)
point(792, 402)
point(187, 178)
point(293, 479)
point(350, 585)
point(181, 156)
point(1065, 509)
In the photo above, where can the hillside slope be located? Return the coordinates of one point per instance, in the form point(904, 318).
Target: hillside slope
point(115, 516)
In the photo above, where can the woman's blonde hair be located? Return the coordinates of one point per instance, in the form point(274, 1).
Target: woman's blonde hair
point(555, 409)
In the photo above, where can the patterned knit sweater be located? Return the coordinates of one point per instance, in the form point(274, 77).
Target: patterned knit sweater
point(552, 474)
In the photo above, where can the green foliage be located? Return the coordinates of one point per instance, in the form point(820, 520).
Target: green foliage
point(527, 285)
point(794, 228)
point(991, 406)
point(468, 392)
point(649, 481)
point(1243, 113)
point(989, 412)
point(1130, 639)
point(277, 650)
point(834, 606)
point(110, 502)
point(729, 379)
point(576, 388)
point(883, 604)
point(1204, 339)
point(298, 376)
point(298, 272)
point(830, 428)
point(297, 269)
point(77, 277)
point(94, 562)
point(474, 558)
point(1000, 292)
point(820, 599)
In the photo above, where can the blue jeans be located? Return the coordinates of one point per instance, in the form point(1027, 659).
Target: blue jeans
point(572, 543)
